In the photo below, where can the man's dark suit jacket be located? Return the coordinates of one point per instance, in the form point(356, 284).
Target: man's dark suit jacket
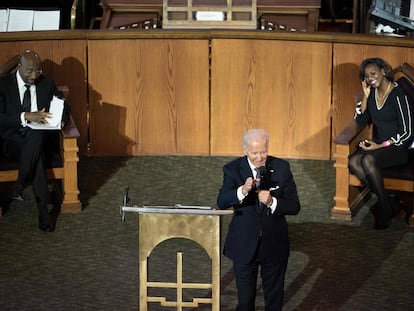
point(248, 221)
point(10, 103)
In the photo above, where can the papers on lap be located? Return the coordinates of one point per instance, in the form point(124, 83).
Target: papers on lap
point(54, 123)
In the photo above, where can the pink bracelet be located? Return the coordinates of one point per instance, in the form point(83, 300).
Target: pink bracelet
point(386, 143)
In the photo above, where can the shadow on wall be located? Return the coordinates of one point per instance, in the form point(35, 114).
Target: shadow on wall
point(308, 145)
point(77, 92)
point(345, 95)
point(114, 118)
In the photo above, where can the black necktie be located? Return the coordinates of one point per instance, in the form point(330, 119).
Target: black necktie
point(27, 102)
point(257, 184)
point(258, 175)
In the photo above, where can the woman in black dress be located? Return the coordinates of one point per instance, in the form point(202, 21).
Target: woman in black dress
point(387, 107)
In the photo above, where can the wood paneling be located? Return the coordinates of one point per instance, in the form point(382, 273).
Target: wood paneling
point(150, 91)
point(282, 86)
point(149, 97)
point(65, 61)
point(347, 87)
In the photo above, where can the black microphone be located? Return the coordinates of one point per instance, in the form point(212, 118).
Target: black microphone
point(262, 171)
point(265, 178)
point(262, 174)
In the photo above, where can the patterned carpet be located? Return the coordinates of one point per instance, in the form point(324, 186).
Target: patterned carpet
point(91, 261)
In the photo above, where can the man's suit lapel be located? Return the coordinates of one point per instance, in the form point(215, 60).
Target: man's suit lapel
point(245, 170)
point(14, 92)
point(40, 94)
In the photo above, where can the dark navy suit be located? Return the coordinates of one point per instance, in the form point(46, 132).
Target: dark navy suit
point(10, 103)
point(256, 237)
point(27, 142)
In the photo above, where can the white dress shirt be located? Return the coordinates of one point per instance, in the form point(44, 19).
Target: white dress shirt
point(22, 88)
point(241, 196)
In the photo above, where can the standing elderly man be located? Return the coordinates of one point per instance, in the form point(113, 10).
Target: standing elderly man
point(261, 189)
point(25, 97)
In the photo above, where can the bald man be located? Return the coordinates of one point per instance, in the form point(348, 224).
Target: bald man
point(25, 97)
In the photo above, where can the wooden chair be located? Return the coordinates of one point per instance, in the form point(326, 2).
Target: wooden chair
point(64, 165)
point(350, 192)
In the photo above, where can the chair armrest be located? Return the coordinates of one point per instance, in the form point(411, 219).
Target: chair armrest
point(69, 155)
point(346, 142)
point(406, 69)
point(70, 129)
point(10, 66)
point(349, 133)
point(64, 90)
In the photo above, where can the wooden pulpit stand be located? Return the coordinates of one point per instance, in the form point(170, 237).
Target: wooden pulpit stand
point(157, 224)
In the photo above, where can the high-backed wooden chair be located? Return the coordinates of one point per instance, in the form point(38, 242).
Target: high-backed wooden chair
point(63, 167)
point(350, 192)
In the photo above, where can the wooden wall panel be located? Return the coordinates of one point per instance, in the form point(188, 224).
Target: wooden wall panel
point(65, 61)
point(150, 93)
point(346, 86)
point(149, 97)
point(282, 86)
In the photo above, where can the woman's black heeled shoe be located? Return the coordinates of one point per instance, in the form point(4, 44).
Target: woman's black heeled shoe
point(408, 210)
point(397, 207)
point(401, 209)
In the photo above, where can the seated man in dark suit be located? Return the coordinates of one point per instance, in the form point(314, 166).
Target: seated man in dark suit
point(25, 97)
point(261, 189)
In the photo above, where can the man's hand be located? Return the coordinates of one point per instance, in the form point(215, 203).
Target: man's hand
point(38, 117)
point(265, 197)
point(248, 185)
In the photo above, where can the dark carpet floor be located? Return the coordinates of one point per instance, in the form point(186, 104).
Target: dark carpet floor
point(91, 261)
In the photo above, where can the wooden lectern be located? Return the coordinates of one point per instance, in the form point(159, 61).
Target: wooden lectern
point(157, 224)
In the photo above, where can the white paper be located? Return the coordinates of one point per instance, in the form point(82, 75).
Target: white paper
point(20, 20)
point(46, 20)
point(4, 14)
point(209, 16)
point(192, 206)
point(54, 123)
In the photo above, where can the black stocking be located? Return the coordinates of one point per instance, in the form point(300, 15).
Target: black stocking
point(376, 184)
point(355, 166)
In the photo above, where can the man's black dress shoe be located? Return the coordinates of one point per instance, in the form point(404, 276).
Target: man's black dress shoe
point(381, 226)
point(46, 228)
point(16, 192)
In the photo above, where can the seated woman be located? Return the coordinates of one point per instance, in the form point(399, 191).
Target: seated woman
point(387, 107)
